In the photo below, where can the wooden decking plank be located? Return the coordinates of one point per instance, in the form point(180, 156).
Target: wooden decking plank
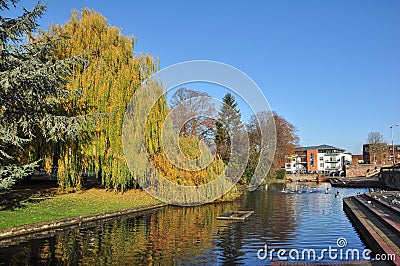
point(370, 225)
point(231, 215)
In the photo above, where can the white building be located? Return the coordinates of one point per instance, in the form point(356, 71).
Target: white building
point(324, 159)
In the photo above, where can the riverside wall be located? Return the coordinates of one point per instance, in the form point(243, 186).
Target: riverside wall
point(390, 176)
point(359, 170)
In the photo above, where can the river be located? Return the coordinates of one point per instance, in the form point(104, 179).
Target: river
point(294, 219)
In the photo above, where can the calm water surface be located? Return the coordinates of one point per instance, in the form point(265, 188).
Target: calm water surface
point(283, 218)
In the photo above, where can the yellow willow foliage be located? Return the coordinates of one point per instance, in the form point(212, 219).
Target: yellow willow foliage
point(185, 173)
point(187, 165)
point(187, 177)
point(112, 75)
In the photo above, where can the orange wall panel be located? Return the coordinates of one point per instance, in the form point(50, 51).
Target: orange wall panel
point(312, 160)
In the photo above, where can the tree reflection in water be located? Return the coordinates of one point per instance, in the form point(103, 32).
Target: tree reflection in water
point(193, 235)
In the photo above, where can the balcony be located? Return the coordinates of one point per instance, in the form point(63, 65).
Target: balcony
point(331, 168)
point(332, 154)
point(332, 161)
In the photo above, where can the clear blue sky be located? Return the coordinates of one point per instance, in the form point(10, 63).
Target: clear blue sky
point(331, 68)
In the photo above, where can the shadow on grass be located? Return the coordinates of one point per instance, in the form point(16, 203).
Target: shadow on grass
point(34, 190)
point(27, 191)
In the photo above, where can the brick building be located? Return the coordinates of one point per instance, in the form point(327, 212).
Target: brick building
point(384, 157)
point(357, 159)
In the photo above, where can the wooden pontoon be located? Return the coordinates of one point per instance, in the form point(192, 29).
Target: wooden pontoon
point(235, 215)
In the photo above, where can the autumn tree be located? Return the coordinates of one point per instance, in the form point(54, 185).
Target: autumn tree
point(377, 146)
point(229, 120)
point(113, 74)
point(32, 95)
point(286, 140)
point(167, 157)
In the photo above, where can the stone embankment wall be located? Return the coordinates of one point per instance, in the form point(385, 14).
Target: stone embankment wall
point(390, 176)
point(359, 170)
point(34, 231)
point(295, 177)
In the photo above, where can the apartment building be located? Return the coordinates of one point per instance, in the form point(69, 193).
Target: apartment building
point(381, 157)
point(323, 159)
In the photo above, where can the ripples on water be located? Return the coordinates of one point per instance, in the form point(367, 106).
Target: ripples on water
point(283, 218)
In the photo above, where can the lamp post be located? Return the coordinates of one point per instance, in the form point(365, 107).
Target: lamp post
point(391, 133)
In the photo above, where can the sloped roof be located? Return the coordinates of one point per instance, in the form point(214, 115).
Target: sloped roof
point(320, 147)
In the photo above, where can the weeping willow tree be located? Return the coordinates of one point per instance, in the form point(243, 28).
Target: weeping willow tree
point(174, 168)
point(107, 83)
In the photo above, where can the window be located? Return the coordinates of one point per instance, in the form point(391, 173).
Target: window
point(312, 159)
point(321, 158)
point(321, 165)
point(398, 148)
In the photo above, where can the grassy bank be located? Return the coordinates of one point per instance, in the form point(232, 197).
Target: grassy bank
point(42, 206)
point(39, 209)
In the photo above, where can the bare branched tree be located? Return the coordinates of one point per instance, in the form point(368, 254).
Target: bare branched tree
point(193, 113)
point(377, 147)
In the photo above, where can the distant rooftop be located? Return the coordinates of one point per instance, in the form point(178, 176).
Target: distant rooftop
point(320, 147)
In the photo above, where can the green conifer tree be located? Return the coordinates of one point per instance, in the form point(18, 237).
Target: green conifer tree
point(32, 89)
point(229, 121)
